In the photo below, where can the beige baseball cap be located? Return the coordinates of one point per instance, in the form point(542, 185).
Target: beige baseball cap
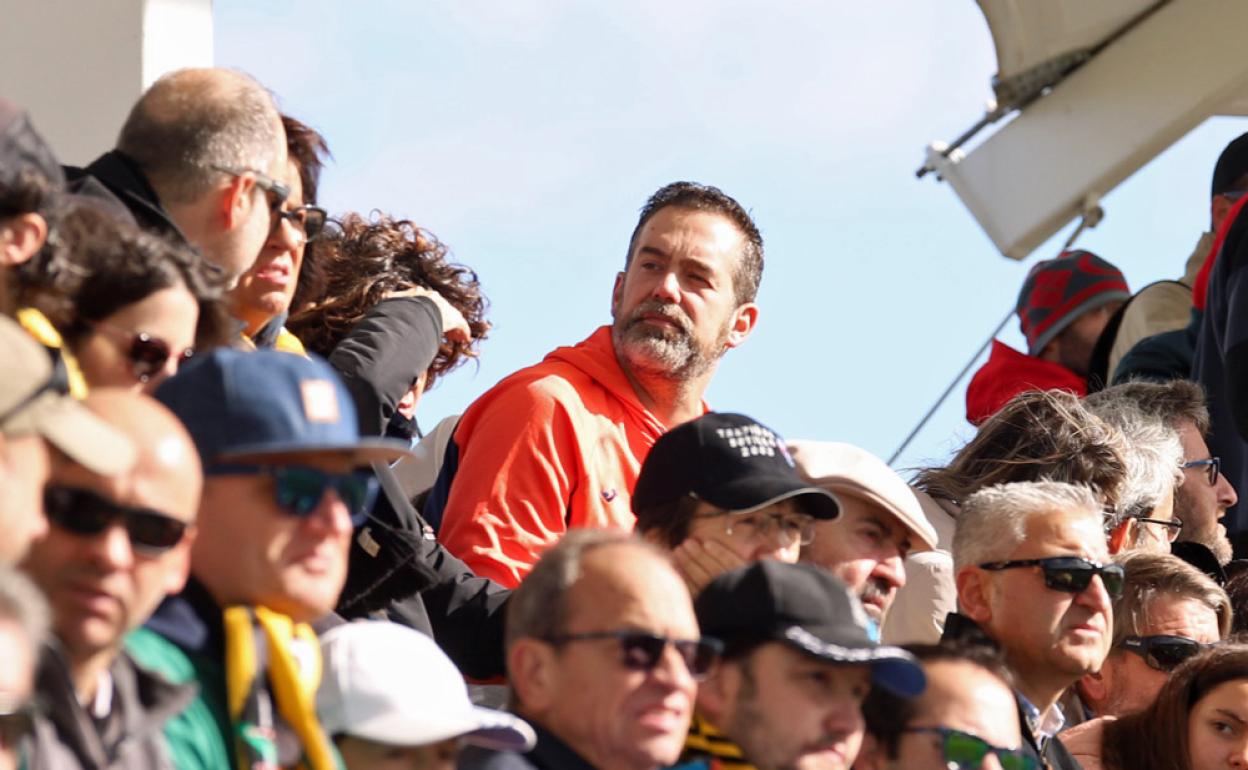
point(847, 469)
point(34, 400)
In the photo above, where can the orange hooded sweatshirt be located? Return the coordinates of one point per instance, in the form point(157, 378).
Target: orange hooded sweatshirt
point(553, 446)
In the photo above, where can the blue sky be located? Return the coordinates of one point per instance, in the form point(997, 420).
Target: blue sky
point(527, 134)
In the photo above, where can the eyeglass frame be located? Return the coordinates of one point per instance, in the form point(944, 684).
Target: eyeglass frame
point(714, 646)
point(806, 533)
point(1174, 527)
point(266, 183)
point(1098, 570)
point(125, 516)
point(280, 215)
point(998, 751)
point(1215, 468)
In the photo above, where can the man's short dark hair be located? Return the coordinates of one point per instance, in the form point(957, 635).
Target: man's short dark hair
point(700, 197)
point(888, 715)
point(1171, 402)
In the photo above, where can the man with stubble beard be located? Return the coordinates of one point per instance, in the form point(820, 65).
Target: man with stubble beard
point(559, 444)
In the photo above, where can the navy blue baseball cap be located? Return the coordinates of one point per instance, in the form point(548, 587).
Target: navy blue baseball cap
point(244, 406)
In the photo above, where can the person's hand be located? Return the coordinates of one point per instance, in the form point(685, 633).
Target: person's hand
point(700, 562)
point(454, 325)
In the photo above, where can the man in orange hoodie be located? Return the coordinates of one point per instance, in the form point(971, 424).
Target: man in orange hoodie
point(1065, 306)
point(559, 444)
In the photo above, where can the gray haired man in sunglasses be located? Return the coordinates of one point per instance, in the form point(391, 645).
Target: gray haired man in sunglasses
point(116, 546)
point(1032, 578)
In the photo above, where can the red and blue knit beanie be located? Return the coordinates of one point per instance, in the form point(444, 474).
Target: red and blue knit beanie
point(1058, 291)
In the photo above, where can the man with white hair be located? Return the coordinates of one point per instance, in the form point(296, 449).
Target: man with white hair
point(880, 522)
point(201, 158)
point(1029, 560)
point(1144, 519)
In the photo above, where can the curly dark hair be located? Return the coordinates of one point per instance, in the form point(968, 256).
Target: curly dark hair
point(103, 264)
point(365, 260)
point(308, 151)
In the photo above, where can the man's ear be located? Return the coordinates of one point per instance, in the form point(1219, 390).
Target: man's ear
point(1094, 689)
point(532, 670)
point(974, 591)
point(617, 291)
point(743, 320)
point(236, 200)
point(1122, 536)
point(21, 237)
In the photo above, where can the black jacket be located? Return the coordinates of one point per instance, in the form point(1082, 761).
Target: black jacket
point(131, 737)
point(116, 182)
point(963, 630)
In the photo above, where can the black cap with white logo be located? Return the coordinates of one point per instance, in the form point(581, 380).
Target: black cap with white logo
point(730, 461)
point(807, 608)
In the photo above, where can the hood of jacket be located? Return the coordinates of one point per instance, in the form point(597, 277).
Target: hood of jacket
point(1007, 373)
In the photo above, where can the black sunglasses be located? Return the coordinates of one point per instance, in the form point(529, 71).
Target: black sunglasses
point(1069, 574)
point(276, 192)
point(963, 751)
point(642, 652)
point(1214, 465)
point(87, 513)
point(1163, 652)
point(309, 220)
point(147, 355)
point(57, 383)
point(300, 489)
point(16, 720)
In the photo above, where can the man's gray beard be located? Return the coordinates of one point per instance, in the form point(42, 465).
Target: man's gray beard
point(651, 351)
point(1214, 539)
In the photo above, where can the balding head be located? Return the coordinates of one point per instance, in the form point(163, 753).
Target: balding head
point(117, 545)
point(194, 119)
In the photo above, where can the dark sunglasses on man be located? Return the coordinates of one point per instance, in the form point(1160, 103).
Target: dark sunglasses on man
point(148, 355)
point(1069, 574)
point(87, 513)
point(309, 220)
point(640, 651)
point(276, 192)
point(1163, 652)
point(299, 489)
point(964, 751)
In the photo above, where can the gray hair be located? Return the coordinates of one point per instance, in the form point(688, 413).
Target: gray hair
point(1154, 455)
point(22, 603)
point(993, 521)
point(1153, 575)
point(192, 120)
point(538, 608)
point(1172, 402)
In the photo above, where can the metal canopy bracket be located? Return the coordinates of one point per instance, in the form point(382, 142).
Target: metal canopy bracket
point(1138, 95)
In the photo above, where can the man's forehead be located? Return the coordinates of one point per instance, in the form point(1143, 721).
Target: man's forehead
point(1064, 532)
point(671, 228)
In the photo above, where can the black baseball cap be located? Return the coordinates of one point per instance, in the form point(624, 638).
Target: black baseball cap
point(807, 608)
point(1232, 164)
point(732, 462)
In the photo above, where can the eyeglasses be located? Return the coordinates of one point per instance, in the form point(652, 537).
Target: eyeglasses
point(16, 719)
point(789, 529)
point(276, 192)
point(57, 383)
point(300, 489)
point(963, 751)
point(147, 355)
point(309, 220)
point(642, 652)
point(87, 513)
point(1070, 574)
point(1163, 652)
point(1214, 464)
point(1173, 526)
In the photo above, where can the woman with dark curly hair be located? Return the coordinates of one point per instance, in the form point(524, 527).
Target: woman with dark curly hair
point(129, 305)
point(392, 315)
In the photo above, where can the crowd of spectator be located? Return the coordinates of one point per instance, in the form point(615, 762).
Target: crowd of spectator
point(226, 541)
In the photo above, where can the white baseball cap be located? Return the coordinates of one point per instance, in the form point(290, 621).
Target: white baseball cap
point(390, 684)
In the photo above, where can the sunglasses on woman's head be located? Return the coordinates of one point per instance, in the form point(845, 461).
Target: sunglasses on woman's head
point(88, 513)
point(963, 751)
point(641, 651)
point(1069, 574)
point(147, 355)
point(1163, 652)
